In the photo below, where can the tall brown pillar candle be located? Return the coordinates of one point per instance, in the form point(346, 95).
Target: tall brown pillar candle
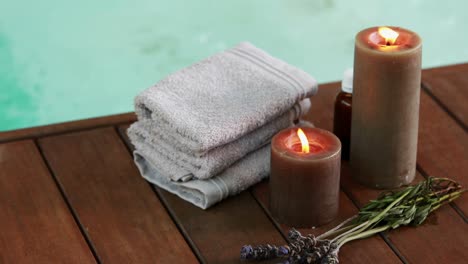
point(384, 130)
point(305, 176)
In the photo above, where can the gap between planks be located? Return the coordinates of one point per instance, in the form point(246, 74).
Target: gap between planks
point(443, 106)
point(169, 211)
point(67, 202)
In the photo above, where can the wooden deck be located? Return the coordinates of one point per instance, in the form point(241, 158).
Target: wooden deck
point(70, 193)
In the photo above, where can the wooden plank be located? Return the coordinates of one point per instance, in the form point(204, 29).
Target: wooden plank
point(36, 225)
point(444, 242)
point(371, 250)
point(219, 232)
point(442, 146)
point(123, 217)
point(54, 129)
point(449, 85)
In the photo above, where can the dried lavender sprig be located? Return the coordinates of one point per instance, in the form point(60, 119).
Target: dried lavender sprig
point(294, 251)
point(307, 249)
point(295, 237)
point(319, 252)
point(322, 253)
point(263, 252)
point(391, 210)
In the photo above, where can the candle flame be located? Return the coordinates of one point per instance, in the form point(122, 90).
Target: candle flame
point(304, 141)
point(389, 35)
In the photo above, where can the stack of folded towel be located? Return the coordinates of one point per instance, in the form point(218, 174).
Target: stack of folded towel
point(203, 133)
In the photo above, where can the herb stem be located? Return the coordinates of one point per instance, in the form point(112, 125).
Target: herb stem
point(338, 229)
point(363, 234)
point(352, 231)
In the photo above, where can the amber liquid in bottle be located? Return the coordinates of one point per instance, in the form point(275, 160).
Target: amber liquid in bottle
point(342, 121)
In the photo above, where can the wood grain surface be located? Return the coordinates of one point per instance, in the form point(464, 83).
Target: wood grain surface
point(123, 217)
point(442, 146)
point(35, 223)
point(449, 86)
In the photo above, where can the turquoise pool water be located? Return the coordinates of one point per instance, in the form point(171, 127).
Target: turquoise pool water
point(66, 60)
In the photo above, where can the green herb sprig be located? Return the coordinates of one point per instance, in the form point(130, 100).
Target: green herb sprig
point(392, 209)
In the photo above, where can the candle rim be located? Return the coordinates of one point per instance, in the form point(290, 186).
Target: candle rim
point(367, 31)
point(299, 157)
point(326, 153)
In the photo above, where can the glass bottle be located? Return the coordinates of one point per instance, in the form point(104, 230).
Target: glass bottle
point(342, 115)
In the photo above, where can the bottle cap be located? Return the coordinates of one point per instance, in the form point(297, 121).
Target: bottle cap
point(347, 83)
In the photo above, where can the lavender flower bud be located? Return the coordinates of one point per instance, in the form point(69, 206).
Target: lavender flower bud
point(330, 258)
point(293, 234)
point(263, 252)
point(246, 252)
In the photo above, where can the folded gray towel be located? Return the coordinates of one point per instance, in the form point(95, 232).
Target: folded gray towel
point(224, 97)
point(181, 163)
point(203, 132)
point(204, 193)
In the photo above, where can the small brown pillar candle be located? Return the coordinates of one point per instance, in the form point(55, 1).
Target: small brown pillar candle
point(384, 130)
point(305, 176)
